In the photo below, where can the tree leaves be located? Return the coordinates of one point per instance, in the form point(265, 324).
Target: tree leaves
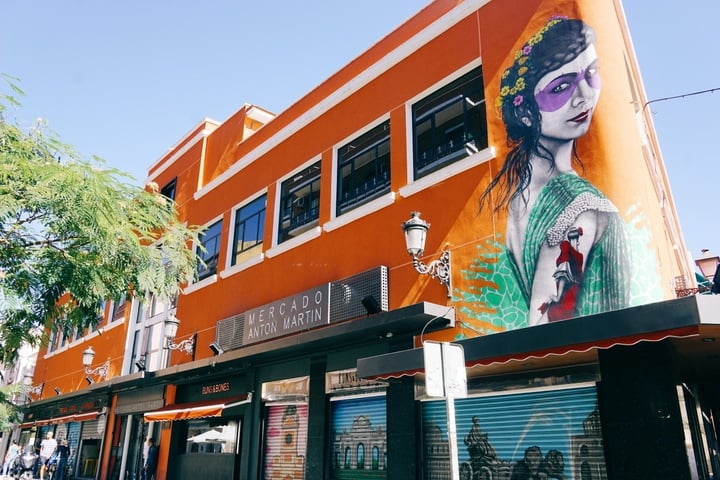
point(74, 232)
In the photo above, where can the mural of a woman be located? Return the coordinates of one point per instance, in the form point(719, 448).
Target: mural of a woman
point(547, 100)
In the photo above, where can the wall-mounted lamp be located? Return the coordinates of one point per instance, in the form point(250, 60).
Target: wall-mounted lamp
point(57, 390)
point(100, 371)
point(707, 263)
point(216, 349)
point(171, 327)
point(415, 232)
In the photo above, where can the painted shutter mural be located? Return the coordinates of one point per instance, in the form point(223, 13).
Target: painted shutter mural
point(359, 437)
point(518, 435)
point(285, 441)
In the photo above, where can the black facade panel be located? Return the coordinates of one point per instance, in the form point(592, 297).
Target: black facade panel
point(402, 433)
point(641, 419)
point(315, 455)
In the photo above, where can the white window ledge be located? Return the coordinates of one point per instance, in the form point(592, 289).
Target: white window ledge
point(447, 172)
point(311, 234)
point(193, 287)
point(359, 212)
point(254, 260)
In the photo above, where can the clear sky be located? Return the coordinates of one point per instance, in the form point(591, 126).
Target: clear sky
point(126, 80)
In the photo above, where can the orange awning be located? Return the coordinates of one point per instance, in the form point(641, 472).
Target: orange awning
point(74, 417)
point(186, 411)
point(83, 417)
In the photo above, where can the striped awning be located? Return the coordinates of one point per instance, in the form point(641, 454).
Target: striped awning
point(670, 319)
point(74, 417)
point(189, 410)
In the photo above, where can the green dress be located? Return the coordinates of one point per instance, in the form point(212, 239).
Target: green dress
point(605, 281)
point(498, 297)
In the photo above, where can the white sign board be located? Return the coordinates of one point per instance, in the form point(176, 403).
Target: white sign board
point(432, 354)
point(444, 369)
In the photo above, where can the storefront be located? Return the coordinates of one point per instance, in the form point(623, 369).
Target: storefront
point(358, 422)
point(272, 410)
point(625, 394)
point(207, 420)
point(81, 421)
point(131, 431)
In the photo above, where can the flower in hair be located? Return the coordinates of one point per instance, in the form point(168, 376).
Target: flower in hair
point(521, 65)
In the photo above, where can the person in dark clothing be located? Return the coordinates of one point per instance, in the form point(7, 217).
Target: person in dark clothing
point(63, 453)
point(151, 460)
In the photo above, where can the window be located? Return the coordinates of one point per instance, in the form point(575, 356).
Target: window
point(449, 124)
point(118, 312)
point(210, 239)
point(249, 228)
point(139, 315)
point(99, 317)
point(137, 361)
point(169, 189)
point(299, 202)
point(151, 346)
point(216, 435)
point(363, 168)
point(53, 340)
point(77, 334)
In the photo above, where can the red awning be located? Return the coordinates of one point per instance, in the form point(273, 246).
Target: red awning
point(557, 343)
point(206, 408)
point(557, 351)
point(74, 417)
point(588, 346)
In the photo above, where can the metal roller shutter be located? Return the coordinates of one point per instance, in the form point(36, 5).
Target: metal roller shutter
point(359, 437)
point(551, 431)
point(285, 441)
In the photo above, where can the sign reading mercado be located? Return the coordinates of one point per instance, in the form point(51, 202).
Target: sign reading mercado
point(296, 313)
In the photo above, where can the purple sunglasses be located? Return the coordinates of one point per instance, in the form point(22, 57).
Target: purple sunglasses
point(561, 89)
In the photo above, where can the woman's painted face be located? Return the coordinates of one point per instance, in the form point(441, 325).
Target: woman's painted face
point(567, 97)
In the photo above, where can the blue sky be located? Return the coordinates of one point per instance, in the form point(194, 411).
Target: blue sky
point(126, 80)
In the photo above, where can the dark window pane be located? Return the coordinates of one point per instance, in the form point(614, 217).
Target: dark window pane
point(450, 124)
point(169, 189)
point(364, 168)
point(299, 202)
point(249, 227)
point(210, 239)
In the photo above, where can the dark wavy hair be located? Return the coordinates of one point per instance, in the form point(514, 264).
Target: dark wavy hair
point(560, 41)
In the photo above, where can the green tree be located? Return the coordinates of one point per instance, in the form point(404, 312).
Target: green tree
point(74, 233)
point(9, 412)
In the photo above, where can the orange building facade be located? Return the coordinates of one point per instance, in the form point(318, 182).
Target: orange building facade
point(517, 129)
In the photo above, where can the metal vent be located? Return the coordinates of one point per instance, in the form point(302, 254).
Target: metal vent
point(349, 296)
point(229, 332)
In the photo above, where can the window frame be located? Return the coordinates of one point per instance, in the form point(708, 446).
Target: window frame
point(372, 138)
point(235, 257)
point(117, 312)
point(458, 139)
point(170, 189)
point(210, 257)
point(310, 178)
